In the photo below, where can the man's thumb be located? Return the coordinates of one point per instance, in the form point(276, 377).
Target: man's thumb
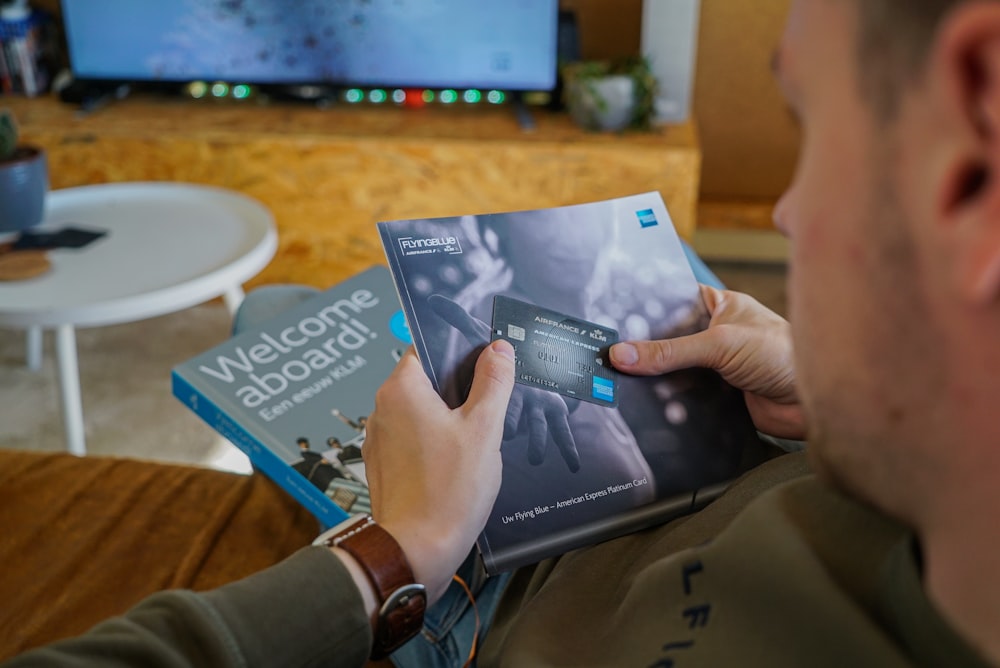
point(650, 358)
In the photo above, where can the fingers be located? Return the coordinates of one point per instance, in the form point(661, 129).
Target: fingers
point(408, 365)
point(406, 385)
point(547, 417)
point(434, 472)
point(558, 425)
point(712, 297)
point(649, 358)
point(409, 352)
point(538, 435)
point(492, 383)
point(473, 329)
point(514, 408)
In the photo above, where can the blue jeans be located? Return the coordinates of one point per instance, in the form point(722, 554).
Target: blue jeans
point(449, 625)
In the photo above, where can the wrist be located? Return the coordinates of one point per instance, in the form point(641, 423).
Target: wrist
point(433, 555)
point(392, 597)
point(369, 597)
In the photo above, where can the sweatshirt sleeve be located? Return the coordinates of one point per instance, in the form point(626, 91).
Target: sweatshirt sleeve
point(304, 611)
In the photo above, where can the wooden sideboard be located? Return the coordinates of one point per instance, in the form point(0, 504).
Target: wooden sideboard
point(329, 174)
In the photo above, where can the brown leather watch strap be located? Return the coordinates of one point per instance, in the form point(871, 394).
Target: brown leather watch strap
point(401, 600)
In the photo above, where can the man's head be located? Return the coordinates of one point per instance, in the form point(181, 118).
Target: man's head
point(894, 221)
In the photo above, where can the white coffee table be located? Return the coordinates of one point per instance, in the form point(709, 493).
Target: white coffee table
point(169, 246)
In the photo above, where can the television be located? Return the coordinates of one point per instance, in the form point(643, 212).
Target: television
point(506, 45)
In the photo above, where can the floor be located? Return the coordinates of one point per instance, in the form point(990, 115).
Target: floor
point(125, 379)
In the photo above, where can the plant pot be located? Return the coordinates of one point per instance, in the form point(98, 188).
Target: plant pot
point(606, 104)
point(24, 183)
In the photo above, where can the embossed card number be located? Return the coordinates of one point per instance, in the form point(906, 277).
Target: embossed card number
point(557, 352)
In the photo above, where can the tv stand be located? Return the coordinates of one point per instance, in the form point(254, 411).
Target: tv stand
point(328, 175)
point(318, 96)
point(523, 114)
point(90, 96)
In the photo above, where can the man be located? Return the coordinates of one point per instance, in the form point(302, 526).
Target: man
point(314, 466)
point(890, 557)
point(345, 454)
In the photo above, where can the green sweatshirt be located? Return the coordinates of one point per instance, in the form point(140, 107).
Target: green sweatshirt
point(780, 571)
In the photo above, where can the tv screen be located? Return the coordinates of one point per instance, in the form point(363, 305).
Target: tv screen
point(501, 44)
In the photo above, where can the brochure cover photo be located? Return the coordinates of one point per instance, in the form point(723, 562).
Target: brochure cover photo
point(588, 453)
point(294, 393)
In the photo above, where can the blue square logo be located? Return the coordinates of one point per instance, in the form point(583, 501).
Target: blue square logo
point(647, 218)
point(603, 389)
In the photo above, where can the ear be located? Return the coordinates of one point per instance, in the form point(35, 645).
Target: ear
point(966, 61)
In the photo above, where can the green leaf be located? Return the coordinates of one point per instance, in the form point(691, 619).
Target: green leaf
point(8, 134)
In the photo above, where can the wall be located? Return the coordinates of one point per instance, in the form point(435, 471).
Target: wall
point(748, 139)
point(608, 29)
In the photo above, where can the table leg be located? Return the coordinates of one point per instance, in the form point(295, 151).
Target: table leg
point(69, 387)
point(34, 348)
point(233, 298)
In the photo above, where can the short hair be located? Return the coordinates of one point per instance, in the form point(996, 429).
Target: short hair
point(894, 40)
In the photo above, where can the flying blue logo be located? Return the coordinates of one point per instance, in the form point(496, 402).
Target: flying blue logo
point(603, 389)
point(399, 328)
point(647, 218)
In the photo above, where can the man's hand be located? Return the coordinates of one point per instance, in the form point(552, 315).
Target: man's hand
point(433, 472)
point(541, 414)
point(749, 345)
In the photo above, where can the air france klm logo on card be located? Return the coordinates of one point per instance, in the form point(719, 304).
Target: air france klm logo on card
point(647, 218)
point(603, 389)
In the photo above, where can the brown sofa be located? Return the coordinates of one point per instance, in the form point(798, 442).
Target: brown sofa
point(82, 539)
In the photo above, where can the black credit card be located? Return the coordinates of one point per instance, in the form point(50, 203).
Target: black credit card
point(557, 352)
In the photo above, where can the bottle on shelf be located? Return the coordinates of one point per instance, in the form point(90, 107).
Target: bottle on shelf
point(21, 69)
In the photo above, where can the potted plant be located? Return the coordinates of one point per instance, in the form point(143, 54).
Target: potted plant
point(611, 95)
point(24, 179)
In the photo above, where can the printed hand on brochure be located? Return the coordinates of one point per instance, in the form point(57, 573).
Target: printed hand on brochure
point(541, 414)
point(747, 343)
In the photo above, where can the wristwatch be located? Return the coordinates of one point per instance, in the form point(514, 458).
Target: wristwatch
point(401, 601)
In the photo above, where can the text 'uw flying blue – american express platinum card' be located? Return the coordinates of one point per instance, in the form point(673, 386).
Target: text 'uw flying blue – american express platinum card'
point(557, 352)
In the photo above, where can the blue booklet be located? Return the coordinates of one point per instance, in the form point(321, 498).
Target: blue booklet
point(294, 393)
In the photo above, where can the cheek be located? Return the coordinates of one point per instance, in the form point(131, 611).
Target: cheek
point(828, 212)
point(827, 256)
